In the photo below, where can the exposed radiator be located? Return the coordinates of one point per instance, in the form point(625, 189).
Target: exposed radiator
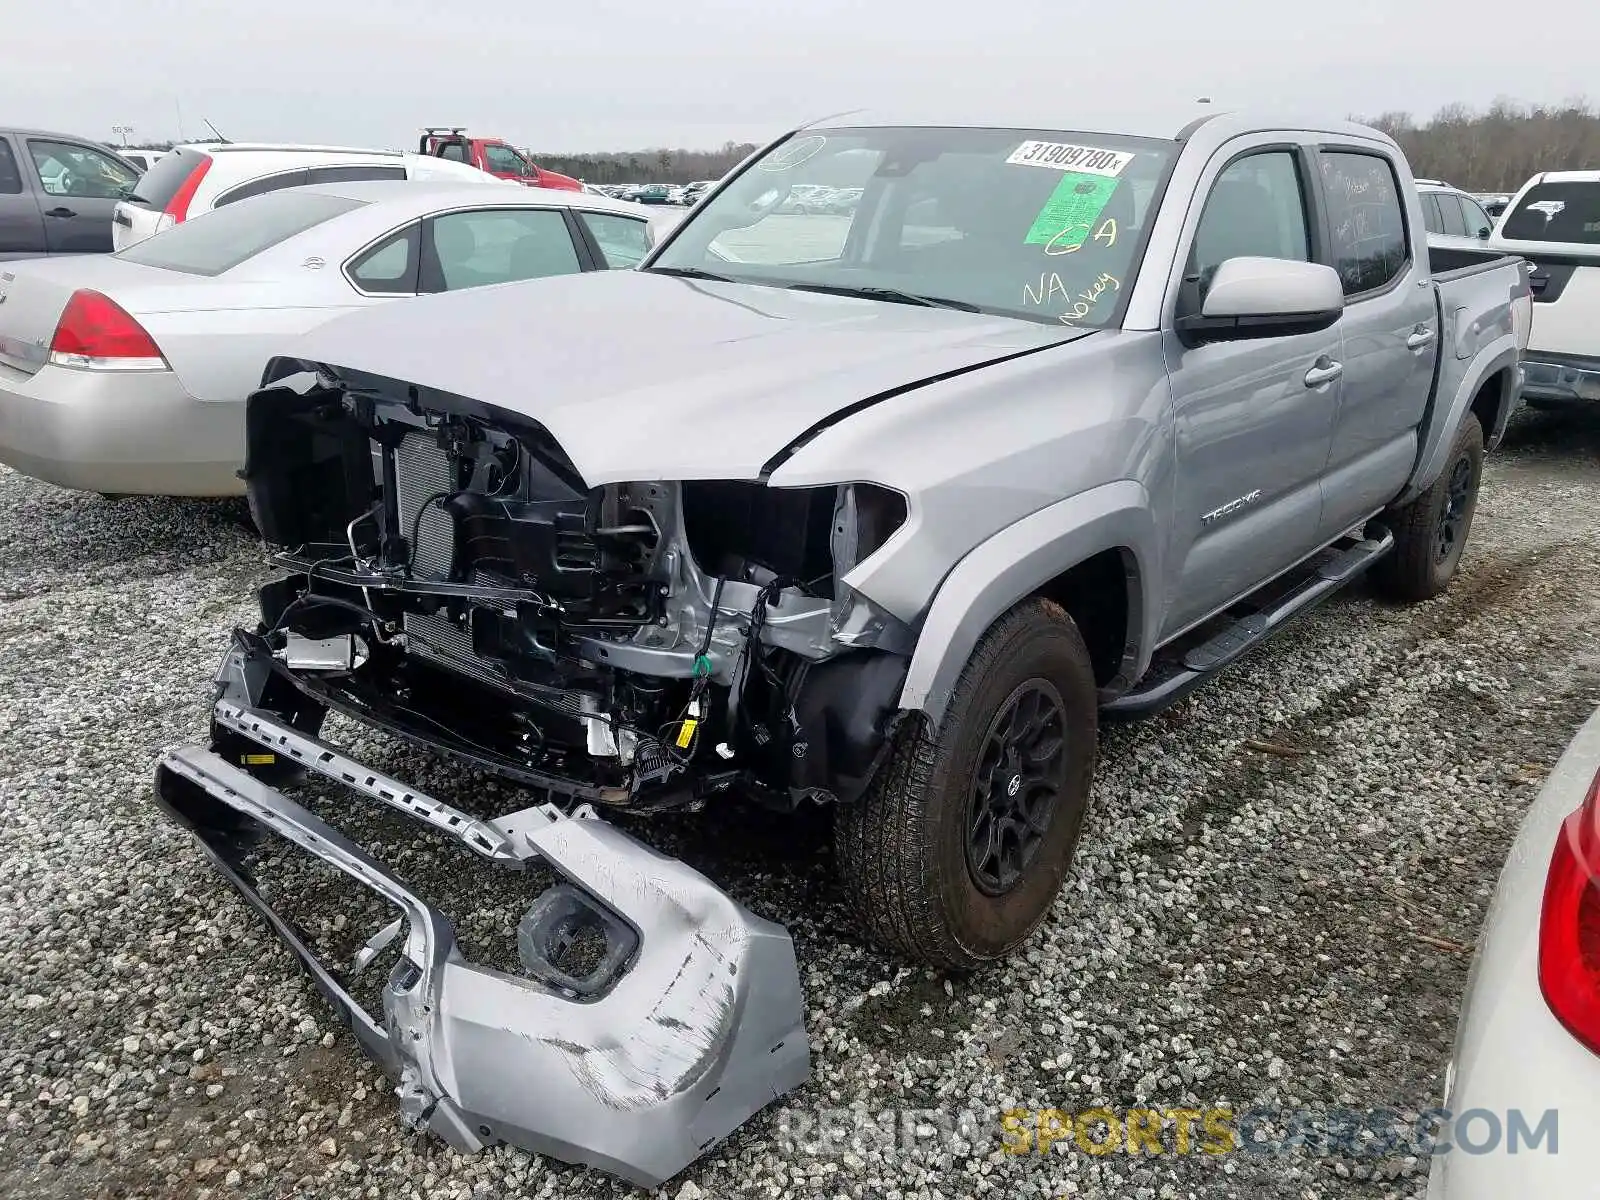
point(422, 472)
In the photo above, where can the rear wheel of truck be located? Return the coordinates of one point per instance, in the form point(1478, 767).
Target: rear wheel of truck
point(1431, 532)
point(958, 849)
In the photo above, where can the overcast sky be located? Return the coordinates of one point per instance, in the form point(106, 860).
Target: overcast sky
point(624, 74)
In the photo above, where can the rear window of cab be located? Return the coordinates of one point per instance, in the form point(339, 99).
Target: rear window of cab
point(1558, 211)
point(220, 240)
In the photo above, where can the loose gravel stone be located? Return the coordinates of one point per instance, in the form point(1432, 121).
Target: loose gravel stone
point(1271, 906)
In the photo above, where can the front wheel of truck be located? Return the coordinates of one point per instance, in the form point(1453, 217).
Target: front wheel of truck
point(964, 839)
point(1430, 533)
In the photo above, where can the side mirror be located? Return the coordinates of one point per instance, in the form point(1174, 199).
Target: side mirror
point(1483, 232)
point(1266, 297)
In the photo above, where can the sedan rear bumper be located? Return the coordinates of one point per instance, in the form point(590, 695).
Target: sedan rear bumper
point(691, 1021)
point(119, 432)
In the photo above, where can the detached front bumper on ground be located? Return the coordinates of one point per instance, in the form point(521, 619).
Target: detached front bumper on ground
point(687, 1020)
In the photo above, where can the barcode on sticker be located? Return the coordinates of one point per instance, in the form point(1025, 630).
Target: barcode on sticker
point(1061, 156)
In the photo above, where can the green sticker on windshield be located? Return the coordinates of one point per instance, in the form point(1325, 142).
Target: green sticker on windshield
point(1067, 218)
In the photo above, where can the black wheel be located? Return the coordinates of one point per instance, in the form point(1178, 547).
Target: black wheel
point(959, 847)
point(1431, 532)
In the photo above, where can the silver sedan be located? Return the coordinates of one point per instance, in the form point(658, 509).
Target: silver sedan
point(127, 373)
point(1523, 1089)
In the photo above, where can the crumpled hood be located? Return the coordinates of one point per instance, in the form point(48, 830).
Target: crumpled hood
point(642, 376)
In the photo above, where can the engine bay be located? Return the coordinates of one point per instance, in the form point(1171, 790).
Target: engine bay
point(451, 578)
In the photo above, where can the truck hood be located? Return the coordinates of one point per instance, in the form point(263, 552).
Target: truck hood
point(642, 376)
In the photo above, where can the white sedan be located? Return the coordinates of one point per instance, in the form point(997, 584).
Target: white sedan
point(1523, 1088)
point(127, 373)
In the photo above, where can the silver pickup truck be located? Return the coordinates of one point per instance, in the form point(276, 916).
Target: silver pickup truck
point(880, 508)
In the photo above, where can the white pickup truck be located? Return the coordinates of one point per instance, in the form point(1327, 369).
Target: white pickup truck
point(1554, 222)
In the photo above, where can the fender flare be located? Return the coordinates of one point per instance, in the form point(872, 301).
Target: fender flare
point(1500, 355)
point(1014, 563)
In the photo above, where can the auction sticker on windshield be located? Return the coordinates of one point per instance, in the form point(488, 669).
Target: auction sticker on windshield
point(1068, 216)
point(1062, 156)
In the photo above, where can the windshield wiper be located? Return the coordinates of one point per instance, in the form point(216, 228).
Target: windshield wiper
point(893, 295)
point(690, 273)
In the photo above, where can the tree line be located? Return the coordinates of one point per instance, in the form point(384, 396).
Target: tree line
point(1493, 150)
point(647, 166)
point(1498, 149)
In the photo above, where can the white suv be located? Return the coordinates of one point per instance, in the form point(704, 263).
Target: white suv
point(190, 180)
point(1454, 219)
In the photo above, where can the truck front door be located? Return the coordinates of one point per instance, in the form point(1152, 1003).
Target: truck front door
point(1390, 333)
point(1252, 418)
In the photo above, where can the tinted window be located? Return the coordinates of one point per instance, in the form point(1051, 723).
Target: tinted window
point(161, 182)
point(1256, 209)
point(10, 177)
point(503, 158)
point(70, 170)
point(623, 241)
point(390, 266)
point(454, 151)
point(260, 187)
point(1556, 212)
point(471, 249)
point(1432, 218)
point(1365, 220)
point(1450, 213)
point(1477, 220)
point(219, 241)
point(355, 174)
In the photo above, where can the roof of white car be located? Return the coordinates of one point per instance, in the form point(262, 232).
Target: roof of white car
point(1568, 177)
point(430, 195)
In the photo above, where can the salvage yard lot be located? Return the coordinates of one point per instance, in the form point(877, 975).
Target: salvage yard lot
point(1271, 904)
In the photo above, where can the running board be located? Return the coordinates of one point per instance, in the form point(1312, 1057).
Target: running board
point(1162, 688)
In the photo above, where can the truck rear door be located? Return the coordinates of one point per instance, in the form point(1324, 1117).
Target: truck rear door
point(21, 225)
point(1376, 242)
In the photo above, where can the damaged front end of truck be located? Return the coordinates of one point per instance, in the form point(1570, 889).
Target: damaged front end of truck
point(451, 579)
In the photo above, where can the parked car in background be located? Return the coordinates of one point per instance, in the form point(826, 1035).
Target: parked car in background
point(1528, 1036)
point(143, 159)
point(127, 373)
point(1494, 203)
point(1554, 222)
point(194, 179)
point(58, 193)
point(653, 193)
point(1452, 217)
point(498, 158)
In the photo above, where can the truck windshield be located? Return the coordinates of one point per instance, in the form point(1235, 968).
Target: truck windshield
point(1558, 211)
point(1043, 225)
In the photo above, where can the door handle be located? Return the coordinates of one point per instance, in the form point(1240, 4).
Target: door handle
point(1420, 337)
point(1326, 373)
point(60, 211)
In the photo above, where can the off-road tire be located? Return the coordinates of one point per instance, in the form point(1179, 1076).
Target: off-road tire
point(1416, 569)
point(901, 849)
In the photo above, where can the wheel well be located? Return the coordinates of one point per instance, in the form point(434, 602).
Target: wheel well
point(1488, 405)
point(1096, 595)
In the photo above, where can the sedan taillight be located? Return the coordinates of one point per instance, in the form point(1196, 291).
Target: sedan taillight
point(1569, 925)
point(96, 333)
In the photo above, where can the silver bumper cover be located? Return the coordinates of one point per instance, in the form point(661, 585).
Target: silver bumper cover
point(692, 1022)
point(1556, 378)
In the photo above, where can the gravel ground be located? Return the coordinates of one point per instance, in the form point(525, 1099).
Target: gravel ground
point(1272, 905)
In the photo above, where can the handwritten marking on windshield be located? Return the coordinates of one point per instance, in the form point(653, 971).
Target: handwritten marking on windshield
point(1064, 242)
point(1050, 286)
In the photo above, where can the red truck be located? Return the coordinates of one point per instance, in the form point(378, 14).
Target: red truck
point(494, 156)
